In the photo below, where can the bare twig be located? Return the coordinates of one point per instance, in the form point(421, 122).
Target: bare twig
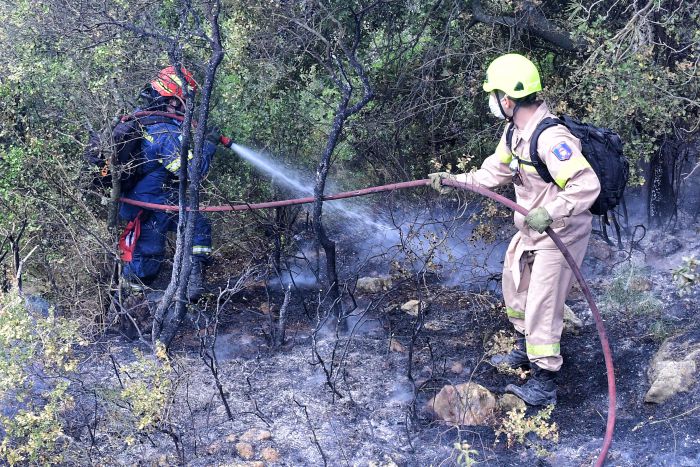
point(314, 438)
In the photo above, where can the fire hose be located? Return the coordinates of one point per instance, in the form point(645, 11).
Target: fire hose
point(607, 354)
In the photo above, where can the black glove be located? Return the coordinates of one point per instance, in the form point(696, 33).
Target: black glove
point(213, 134)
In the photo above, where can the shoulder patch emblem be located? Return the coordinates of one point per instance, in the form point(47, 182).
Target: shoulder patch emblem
point(562, 151)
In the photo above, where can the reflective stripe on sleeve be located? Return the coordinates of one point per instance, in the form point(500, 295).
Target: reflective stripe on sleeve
point(512, 313)
point(542, 350)
point(174, 166)
point(504, 156)
point(201, 250)
point(528, 168)
point(569, 168)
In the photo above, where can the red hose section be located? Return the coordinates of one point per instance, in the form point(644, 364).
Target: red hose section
point(607, 440)
point(277, 204)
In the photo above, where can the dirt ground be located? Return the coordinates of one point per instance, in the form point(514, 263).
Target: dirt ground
point(351, 400)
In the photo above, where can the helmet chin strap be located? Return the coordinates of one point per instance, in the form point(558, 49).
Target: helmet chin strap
point(515, 109)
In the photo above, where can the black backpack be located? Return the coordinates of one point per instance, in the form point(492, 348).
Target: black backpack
point(601, 147)
point(125, 139)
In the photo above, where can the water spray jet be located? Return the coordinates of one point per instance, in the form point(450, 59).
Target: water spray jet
point(281, 175)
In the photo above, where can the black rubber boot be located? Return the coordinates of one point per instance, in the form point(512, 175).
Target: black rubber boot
point(514, 359)
point(196, 283)
point(540, 389)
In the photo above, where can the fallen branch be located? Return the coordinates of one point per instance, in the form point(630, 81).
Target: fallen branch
point(531, 20)
point(654, 422)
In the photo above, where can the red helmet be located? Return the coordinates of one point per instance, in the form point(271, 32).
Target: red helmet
point(167, 83)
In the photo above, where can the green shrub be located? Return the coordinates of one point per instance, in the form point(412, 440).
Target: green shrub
point(36, 358)
point(629, 293)
point(148, 390)
point(517, 425)
point(687, 275)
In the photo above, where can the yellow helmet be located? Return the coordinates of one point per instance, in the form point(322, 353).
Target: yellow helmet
point(513, 74)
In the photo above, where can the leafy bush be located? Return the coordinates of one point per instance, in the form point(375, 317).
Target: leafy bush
point(36, 360)
point(687, 275)
point(516, 425)
point(148, 390)
point(629, 293)
point(465, 454)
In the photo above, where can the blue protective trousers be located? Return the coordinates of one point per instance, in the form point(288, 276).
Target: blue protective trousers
point(149, 252)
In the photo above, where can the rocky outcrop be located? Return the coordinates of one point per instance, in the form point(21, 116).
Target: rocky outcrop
point(674, 368)
point(464, 404)
point(374, 284)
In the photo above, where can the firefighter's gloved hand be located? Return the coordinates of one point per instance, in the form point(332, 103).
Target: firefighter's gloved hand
point(213, 134)
point(538, 219)
point(436, 182)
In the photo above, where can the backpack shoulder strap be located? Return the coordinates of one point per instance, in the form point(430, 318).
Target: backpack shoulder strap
point(540, 166)
point(509, 137)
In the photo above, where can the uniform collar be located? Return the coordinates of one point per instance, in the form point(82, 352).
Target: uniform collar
point(540, 114)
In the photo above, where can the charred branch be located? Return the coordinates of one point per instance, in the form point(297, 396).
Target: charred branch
point(278, 329)
point(529, 19)
point(207, 330)
point(343, 112)
point(313, 432)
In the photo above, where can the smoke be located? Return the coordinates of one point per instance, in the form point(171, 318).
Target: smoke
point(427, 238)
point(436, 240)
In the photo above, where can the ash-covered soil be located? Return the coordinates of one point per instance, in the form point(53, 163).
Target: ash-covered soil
point(357, 396)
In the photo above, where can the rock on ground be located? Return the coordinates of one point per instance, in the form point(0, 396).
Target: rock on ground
point(270, 455)
point(464, 404)
point(508, 402)
point(396, 346)
point(245, 450)
point(599, 249)
point(255, 434)
point(374, 284)
point(664, 244)
point(411, 307)
point(572, 323)
point(674, 368)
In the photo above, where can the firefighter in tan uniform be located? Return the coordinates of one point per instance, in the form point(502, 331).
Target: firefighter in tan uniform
point(536, 277)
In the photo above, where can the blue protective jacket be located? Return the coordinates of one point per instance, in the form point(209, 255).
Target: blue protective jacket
point(161, 150)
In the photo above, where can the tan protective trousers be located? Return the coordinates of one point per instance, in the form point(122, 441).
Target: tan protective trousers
point(535, 286)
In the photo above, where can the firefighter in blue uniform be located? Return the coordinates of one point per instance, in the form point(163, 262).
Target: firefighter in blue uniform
point(159, 184)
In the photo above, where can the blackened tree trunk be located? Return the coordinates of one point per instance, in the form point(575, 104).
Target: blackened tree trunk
point(168, 318)
point(665, 178)
point(319, 229)
point(342, 113)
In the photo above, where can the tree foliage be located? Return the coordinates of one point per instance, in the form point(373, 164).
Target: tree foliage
point(69, 66)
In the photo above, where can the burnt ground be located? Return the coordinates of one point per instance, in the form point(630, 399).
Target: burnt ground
point(358, 407)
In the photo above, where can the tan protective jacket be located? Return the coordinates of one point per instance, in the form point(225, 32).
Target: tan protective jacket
point(567, 200)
